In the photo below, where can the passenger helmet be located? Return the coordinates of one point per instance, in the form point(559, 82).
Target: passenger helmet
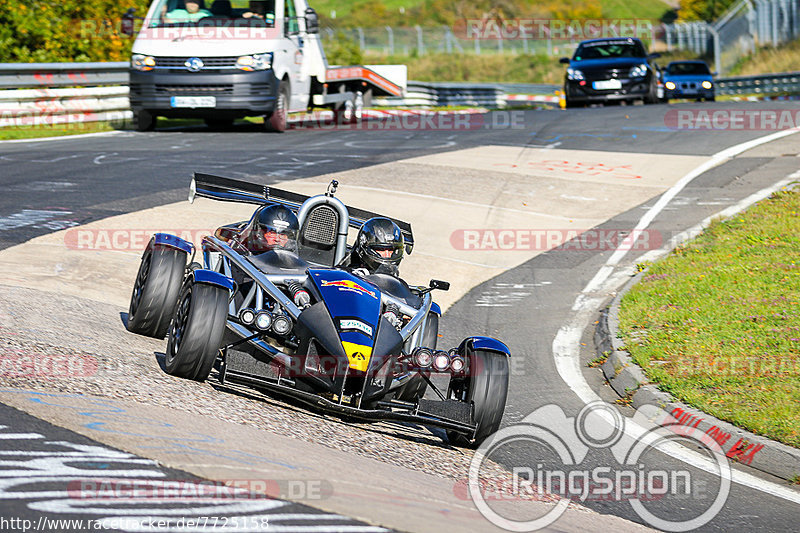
point(379, 242)
point(274, 227)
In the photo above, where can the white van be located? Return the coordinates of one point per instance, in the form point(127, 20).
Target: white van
point(225, 59)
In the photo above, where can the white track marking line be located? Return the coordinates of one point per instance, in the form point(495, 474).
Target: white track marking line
point(566, 345)
point(65, 137)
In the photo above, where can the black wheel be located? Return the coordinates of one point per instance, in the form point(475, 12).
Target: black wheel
point(155, 291)
point(218, 123)
point(414, 389)
point(144, 120)
point(571, 104)
point(277, 121)
point(712, 99)
point(486, 386)
point(197, 329)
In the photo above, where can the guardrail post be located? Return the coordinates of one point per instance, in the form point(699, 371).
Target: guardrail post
point(667, 37)
point(391, 40)
point(716, 49)
point(420, 42)
point(448, 44)
point(774, 18)
point(361, 41)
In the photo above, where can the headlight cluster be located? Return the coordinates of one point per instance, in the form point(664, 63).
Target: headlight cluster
point(670, 85)
point(438, 360)
point(707, 84)
point(142, 62)
point(254, 62)
point(639, 71)
point(574, 74)
point(279, 323)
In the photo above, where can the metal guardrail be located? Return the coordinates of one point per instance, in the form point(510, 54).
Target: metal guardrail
point(766, 84)
point(41, 75)
point(63, 93)
point(448, 94)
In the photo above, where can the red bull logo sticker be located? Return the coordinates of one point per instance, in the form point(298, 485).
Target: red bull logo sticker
point(349, 286)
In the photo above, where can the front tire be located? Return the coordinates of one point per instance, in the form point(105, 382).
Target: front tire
point(155, 291)
point(144, 120)
point(197, 330)
point(278, 120)
point(486, 387)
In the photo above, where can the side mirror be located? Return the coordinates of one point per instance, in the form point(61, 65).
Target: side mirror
point(312, 21)
point(654, 55)
point(128, 22)
point(564, 61)
point(436, 284)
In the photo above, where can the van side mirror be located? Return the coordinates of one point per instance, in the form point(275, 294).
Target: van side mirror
point(654, 55)
point(312, 21)
point(564, 61)
point(128, 22)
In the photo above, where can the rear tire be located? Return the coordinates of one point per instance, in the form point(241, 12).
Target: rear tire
point(155, 291)
point(414, 389)
point(277, 121)
point(486, 387)
point(197, 330)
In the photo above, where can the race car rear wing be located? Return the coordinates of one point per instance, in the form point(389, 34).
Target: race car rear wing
point(233, 190)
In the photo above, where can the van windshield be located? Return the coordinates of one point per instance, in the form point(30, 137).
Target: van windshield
point(214, 12)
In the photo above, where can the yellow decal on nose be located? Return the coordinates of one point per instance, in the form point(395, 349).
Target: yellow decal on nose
point(358, 355)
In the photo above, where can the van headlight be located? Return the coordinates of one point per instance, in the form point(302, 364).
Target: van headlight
point(639, 71)
point(254, 62)
point(670, 86)
point(707, 84)
point(142, 62)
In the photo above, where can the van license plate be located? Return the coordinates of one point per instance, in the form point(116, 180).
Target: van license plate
point(193, 101)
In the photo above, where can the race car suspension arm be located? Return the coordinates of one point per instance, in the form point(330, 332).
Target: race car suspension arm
point(434, 387)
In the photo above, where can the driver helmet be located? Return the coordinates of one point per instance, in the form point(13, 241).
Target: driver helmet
point(275, 227)
point(379, 242)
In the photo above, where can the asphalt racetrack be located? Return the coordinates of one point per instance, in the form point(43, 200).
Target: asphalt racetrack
point(533, 173)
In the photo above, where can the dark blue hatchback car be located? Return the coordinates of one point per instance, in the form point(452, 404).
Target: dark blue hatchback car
point(610, 70)
point(688, 79)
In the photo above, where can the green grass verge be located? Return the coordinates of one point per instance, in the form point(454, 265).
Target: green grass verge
point(34, 132)
point(717, 323)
